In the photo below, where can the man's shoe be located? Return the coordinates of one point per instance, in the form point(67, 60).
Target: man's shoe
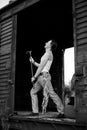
point(61, 116)
point(34, 114)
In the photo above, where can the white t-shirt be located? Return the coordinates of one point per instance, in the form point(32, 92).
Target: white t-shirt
point(49, 62)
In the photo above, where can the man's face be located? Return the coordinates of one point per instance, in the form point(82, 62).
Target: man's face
point(48, 44)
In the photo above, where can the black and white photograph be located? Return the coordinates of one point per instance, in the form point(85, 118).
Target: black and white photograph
point(43, 64)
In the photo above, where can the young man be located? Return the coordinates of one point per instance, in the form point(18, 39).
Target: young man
point(42, 79)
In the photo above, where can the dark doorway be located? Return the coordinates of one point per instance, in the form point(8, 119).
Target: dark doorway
point(37, 24)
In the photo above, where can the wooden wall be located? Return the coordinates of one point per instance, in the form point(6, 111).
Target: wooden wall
point(7, 63)
point(80, 43)
point(80, 31)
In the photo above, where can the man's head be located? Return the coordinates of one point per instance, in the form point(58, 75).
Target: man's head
point(51, 44)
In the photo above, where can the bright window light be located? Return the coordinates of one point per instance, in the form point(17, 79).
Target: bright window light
point(69, 65)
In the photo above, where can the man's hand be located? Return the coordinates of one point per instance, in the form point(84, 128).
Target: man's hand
point(33, 79)
point(31, 60)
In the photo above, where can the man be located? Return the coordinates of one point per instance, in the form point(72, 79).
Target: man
point(42, 79)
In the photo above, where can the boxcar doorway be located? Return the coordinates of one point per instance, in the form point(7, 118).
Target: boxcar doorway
point(37, 24)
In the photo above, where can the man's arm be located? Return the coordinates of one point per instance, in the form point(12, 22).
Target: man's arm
point(35, 63)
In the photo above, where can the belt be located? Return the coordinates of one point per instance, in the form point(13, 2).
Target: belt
point(42, 73)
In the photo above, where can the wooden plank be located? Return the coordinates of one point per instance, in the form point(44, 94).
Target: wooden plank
point(82, 30)
point(81, 10)
point(6, 31)
point(3, 66)
point(4, 72)
point(5, 92)
point(6, 52)
point(2, 57)
point(6, 28)
point(4, 84)
point(7, 38)
point(5, 60)
point(3, 76)
point(79, 1)
point(27, 4)
point(2, 88)
point(81, 36)
point(6, 42)
point(6, 21)
point(83, 14)
point(6, 65)
point(4, 96)
point(78, 21)
point(81, 25)
point(6, 35)
point(82, 4)
point(3, 69)
point(82, 41)
point(4, 80)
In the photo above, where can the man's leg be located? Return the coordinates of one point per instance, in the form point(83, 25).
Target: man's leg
point(55, 98)
point(34, 98)
point(45, 99)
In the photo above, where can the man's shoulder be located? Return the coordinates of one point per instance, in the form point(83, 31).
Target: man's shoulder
point(49, 52)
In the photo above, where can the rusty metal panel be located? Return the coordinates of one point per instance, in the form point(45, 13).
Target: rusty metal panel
point(5, 63)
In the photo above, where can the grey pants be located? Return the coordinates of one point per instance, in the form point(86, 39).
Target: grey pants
point(44, 82)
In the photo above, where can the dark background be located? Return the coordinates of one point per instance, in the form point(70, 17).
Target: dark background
point(36, 25)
